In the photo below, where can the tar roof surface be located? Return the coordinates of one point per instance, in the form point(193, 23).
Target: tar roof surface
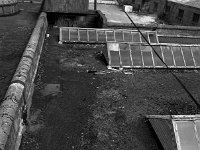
point(192, 3)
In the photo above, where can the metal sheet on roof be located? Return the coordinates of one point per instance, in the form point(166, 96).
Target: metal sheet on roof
point(131, 55)
point(95, 35)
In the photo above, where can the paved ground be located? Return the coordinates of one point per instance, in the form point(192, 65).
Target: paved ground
point(116, 17)
point(14, 34)
point(113, 14)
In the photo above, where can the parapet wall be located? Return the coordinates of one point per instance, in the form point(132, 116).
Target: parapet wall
point(17, 101)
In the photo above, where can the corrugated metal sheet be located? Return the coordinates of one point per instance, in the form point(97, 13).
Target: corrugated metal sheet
point(164, 131)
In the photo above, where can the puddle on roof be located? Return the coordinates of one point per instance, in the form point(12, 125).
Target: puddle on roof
point(51, 89)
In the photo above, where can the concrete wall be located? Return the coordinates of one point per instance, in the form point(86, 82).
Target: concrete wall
point(187, 17)
point(17, 101)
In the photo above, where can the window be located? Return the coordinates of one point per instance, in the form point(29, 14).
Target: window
point(155, 7)
point(195, 18)
point(180, 15)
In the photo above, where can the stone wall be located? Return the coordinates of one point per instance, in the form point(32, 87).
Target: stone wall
point(16, 104)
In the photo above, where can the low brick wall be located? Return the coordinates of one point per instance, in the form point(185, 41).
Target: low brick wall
point(17, 101)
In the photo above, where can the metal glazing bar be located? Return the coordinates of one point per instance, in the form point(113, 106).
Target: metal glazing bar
point(88, 38)
point(131, 36)
point(114, 36)
point(78, 35)
point(140, 37)
point(61, 35)
point(173, 56)
point(141, 55)
point(148, 37)
point(129, 45)
point(157, 41)
point(97, 36)
point(183, 56)
point(152, 57)
point(163, 58)
point(193, 57)
point(69, 35)
point(99, 29)
point(120, 57)
point(106, 35)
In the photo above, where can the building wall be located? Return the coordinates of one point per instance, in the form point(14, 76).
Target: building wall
point(160, 8)
point(187, 16)
point(66, 6)
point(149, 5)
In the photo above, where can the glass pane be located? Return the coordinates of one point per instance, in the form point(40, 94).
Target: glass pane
point(127, 36)
point(101, 36)
point(65, 35)
point(114, 59)
point(110, 36)
point(178, 56)
point(153, 38)
point(119, 36)
point(83, 35)
point(126, 58)
point(146, 37)
point(92, 35)
point(197, 124)
point(147, 55)
point(136, 55)
point(136, 37)
point(124, 47)
point(74, 35)
point(157, 60)
point(188, 56)
point(187, 135)
point(168, 57)
point(196, 54)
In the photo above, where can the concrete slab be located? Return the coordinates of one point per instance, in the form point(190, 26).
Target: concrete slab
point(143, 19)
point(113, 14)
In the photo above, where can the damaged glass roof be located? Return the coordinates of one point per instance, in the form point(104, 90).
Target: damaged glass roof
point(94, 35)
point(128, 55)
point(177, 132)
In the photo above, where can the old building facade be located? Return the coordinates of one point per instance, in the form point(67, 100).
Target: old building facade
point(182, 12)
point(187, 13)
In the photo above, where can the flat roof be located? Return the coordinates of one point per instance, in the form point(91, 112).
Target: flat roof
point(192, 3)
